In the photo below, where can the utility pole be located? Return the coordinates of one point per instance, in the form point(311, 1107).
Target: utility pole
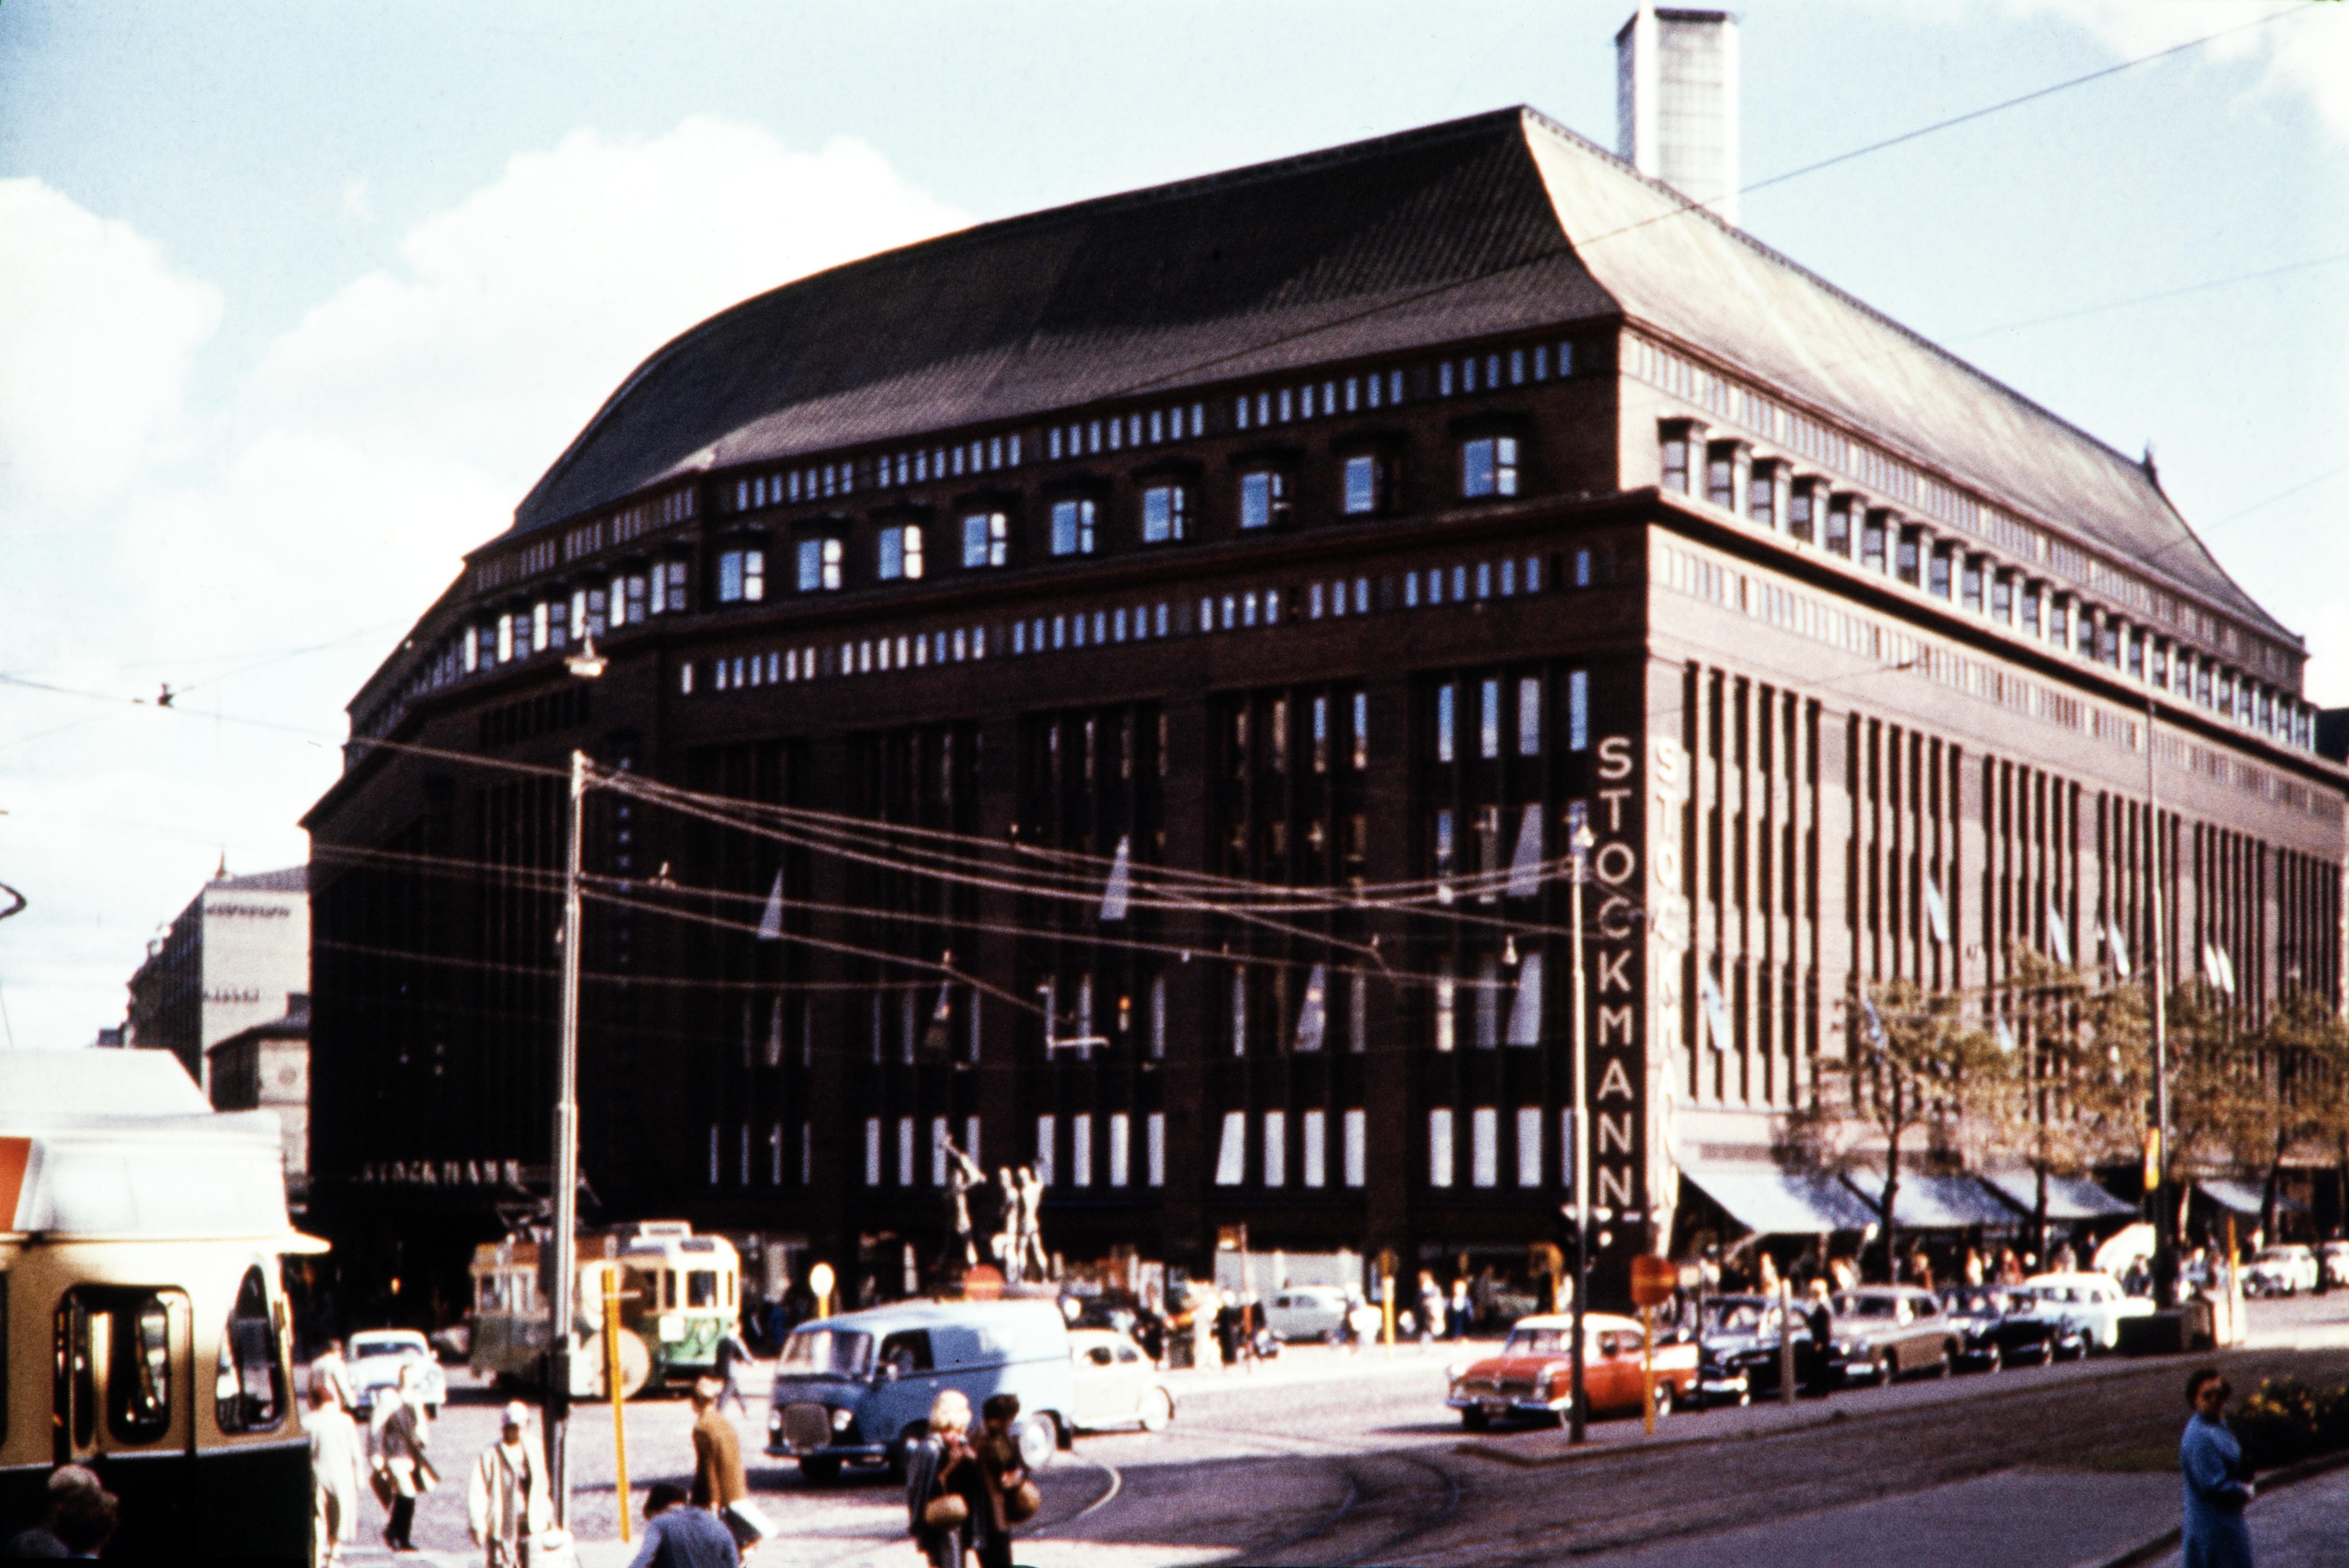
point(2165, 1250)
point(560, 1308)
point(1577, 1420)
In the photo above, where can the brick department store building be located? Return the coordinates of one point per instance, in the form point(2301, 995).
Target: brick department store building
point(1356, 519)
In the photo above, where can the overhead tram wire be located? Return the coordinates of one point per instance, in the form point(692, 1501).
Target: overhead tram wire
point(1551, 253)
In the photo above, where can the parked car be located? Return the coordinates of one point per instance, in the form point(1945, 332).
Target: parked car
point(1306, 1311)
point(2334, 1256)
point(1890, 1331)
point(1116, 1384)
point(375, 1357)
point(1533, 1376)
point(2285, 1270)
point(854, 1389)
point(2092, 1303)
point(1741, 1347)
point(1998, 1326)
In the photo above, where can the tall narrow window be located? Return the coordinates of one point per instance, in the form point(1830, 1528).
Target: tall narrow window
point(1578, 710)
point(2031, 597)
point(1530, 706)
point(819, 566)
point(1264, 499)
point(1361, 734)
point(1529, 1146)
point(1871, 543)
point(1315, 1126)
point(1971, 585)
point(2002, 597)
point(1081, 1149)
point(1488, 467)
point(1488, 731)
point(1446, 1004)
point(1153, 1148)
point(1356, 1151)
point(1048, 1143)
point(1446, 696)
point(1231, 1150)
point(1121, 1148)
point(1802, 509)
point(1439, 1147)
point(1839, 537)
point(1937, 571)
point(1276, 1149)
point(1485, 1146)
point(1366, 486)
point(1909, 565)
point(1676, 462)
point(741, 576)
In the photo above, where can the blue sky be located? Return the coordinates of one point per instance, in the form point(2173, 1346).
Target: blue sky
point(302, 298)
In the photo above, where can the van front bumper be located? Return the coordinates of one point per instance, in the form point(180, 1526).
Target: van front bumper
point(790, 1437)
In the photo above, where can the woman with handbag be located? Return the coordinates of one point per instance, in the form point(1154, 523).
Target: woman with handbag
point(1012, 1496)
point(399, 1458)
point(945, 1490)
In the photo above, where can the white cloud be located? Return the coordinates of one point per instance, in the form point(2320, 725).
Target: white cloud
point(331, 490)
point(2304, 55)
point(96, 339)
point(510, 317)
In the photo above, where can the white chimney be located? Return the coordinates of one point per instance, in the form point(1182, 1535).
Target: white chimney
point(1676, 102)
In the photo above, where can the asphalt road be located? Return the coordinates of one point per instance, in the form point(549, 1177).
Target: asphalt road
point(1328, 1460)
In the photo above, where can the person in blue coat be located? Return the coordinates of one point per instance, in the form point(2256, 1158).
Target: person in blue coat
point(2216, 1484)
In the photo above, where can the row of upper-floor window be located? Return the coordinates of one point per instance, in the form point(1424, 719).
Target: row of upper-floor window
point(1771, 493)
point(819, 563)
point(1240, 609)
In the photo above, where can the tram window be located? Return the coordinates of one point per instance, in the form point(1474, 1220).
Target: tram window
point(251, 1386)
point(701, 1289)
point(85, 1376)
point(139, 1371)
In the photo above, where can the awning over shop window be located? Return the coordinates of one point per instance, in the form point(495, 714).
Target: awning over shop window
point(1780, 1203)
point(1936, 1203)
point(2243, 1196)
point(2069, 1198)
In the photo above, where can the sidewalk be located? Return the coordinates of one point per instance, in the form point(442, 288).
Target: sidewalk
point(2300, 1525)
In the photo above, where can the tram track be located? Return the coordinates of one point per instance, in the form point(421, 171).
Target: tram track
point(1377, 1513)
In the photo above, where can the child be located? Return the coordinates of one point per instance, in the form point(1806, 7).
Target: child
point(1010, 1501)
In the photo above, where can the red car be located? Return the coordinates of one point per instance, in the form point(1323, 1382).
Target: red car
point(1533, 1376)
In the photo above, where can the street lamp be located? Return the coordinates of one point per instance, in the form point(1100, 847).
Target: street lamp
point(560, 1307)
point(1581, 844)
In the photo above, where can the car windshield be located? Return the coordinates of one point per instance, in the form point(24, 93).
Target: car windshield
point(1743, 1316)
point(1539, 1342)
point(1978, 1301)
point(1866, 1306)
point(386, 1346)
point(828, 1350)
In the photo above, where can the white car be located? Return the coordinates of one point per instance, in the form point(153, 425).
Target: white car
point(1116, 1386)
point(375, 1357)
point(2285, 1270)
point(2094, 1304)
point(1306, 1310)
point(2335, 1255)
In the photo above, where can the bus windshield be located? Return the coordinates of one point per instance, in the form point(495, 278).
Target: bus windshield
point(828, 1350)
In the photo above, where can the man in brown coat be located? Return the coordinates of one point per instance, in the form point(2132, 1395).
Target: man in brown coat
point(718, 1478)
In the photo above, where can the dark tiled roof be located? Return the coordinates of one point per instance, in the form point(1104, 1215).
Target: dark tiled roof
point(292, 878)
point(1444, 234)
point(1497, 223)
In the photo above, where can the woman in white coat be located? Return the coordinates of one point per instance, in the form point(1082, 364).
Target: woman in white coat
point(336, 1459)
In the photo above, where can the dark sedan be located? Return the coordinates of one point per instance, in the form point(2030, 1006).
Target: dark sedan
point(1997, 1327)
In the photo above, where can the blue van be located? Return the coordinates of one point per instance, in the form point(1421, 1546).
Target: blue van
point(854, 1389)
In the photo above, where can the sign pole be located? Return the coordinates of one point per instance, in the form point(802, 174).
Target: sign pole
point(1648, 1368)
point(615, 1385)
point(1577, 1420)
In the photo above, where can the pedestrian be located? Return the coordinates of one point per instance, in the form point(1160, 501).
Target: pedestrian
point(677, 1536)
point(1431, 1309)
point(1227, 1329)
point(944, 1488)
point(733, 1354)
point(2217, 1484)
point(85, 1520)
point(333, 1371)
point(334, 1483)
point(42, 1539)
point(507, 1503)
point(1767, 1274)
point(1011, 1499)
point(718, 1478)
point(1819, 1318)
point(1973, 1267)
point(400, 1444)
point(1457, 1316)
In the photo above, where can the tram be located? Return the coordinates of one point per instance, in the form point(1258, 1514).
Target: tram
point(679, 1294)
point(143, 1329)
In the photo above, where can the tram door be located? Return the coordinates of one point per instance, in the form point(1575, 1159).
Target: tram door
point(123, 1401)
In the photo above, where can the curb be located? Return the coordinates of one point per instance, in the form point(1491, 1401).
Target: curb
point(2147, 1551)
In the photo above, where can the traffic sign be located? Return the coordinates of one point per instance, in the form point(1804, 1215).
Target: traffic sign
point(1653, 1280)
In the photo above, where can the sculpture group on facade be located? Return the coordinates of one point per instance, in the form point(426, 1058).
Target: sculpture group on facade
point(1015, 1238)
